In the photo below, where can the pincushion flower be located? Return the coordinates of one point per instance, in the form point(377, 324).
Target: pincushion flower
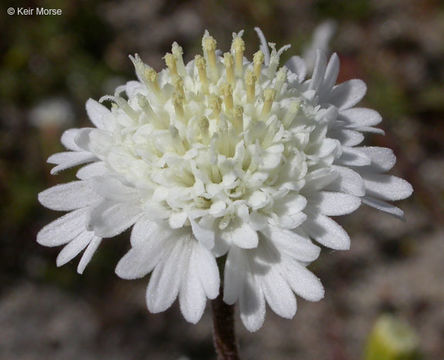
point(222, 158)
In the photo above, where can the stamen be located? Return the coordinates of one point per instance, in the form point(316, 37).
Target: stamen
point(281, 76)
point(228, 96)
point(258, 60)
point(291, 113)
point(199, 62)
point(238, 118)
point(146, 107)
point(250, 84)
point(209, 48)
point(178, 85)
point(229, 62)
point(178, 142)
point(123, 104)
point(177, 53)
point(204, 126)
point(171, 63)
point(269, 95)
point(150, 76)
point(215, 104)
point(238, 46)
point(178, 105)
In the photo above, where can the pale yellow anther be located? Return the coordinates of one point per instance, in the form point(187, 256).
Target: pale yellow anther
point(293, 110)
point(269, 95)
point(227, 92)
point(250, 84)
point(258, 60)
point(215, 104)
point(177, 53)
point(150, 77)
point(238, 47)
point(238, 118)
point(281, 76)
point(170, 61)
point(229, 67)
point(178, 105)
point(199, 62)
point(209, 48)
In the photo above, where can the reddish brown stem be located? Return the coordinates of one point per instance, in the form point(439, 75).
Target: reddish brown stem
point(223, 329)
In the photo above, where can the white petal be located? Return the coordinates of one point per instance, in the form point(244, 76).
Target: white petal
point(252, 304)
point(318, 70)
point(64, 229)
point(383, 206)
point(302, 281)
point(297, 65)
point(335, 203)
point(111, 188)
point(204, 235)
point(348, 94)
point(88, 254)
point(359, 117)
point(383, 159)
point(166, 278)
point(69, 196)
point(91, 170)
point(331, 73)
point(141, 260)
point(348, 181)
point(177, 219)
point(327, 232)
point(353, 157)
point(97, 113)
point(278, 294)
point(292, 244)
point(192, 296)
point(74, 247)
point(319, 179)
point(109, 219)
point(144, 229)
point(234, 274)
point(387, 187)
point(206, 266)
point(347, 137)
point(68, 139)
point(244, 236)
point(69, 159)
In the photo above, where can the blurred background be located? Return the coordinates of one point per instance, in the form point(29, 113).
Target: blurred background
point(49, 67)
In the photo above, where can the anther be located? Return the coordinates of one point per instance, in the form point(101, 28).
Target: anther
point(269, 95)
point(177, 53)
point(199, 62)
point(258, 60)
point(209, 49)
point(238, 46)
point(171, 63)
point(150, 79)
point(250, 84)
point(229, 71)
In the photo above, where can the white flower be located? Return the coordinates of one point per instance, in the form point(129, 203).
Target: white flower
point(222, 157)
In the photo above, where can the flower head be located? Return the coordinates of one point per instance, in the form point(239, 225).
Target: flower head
point(222, 157)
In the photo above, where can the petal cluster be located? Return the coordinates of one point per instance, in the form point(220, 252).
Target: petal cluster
point(222, 158)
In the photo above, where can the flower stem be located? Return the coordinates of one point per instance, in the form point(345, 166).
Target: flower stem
point(223, 329)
